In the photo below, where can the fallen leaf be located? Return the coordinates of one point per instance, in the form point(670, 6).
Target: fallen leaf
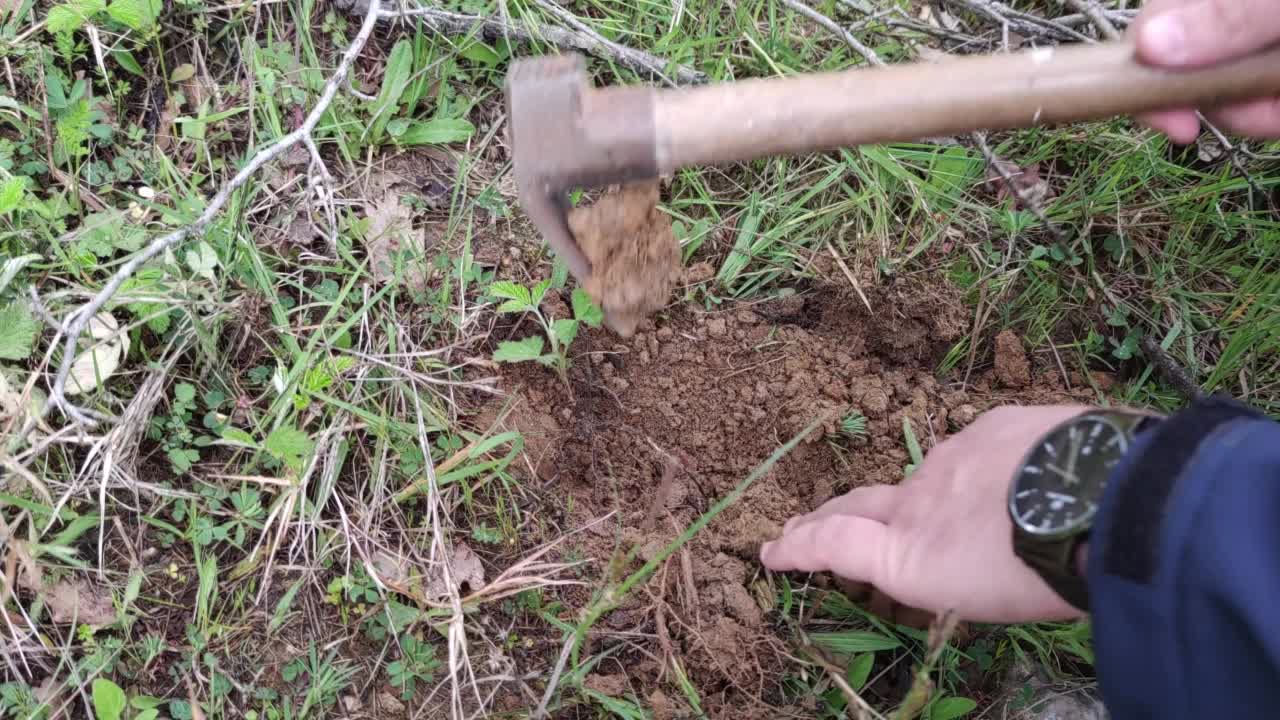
point(466, 570)
point(389, 233)
point(388, 706)
point(1208, 148)
point(183, 72)
point(72, 600)
point(1026, 182)
point(396, 572)
point(14, 410)
point(100, 361)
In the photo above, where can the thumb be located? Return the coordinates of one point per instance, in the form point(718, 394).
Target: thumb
point(850, 546)
point(1205, 32)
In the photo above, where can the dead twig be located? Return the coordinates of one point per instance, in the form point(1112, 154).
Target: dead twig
point(867, 53)
point(1179, 377)
point(75, 323)
point(853, 280)
point(556, 672)
point(584, 39)
point(1094, 13)
point(670, 467)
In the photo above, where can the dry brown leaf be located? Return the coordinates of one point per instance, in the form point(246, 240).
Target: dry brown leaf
point(1208, 149)
point(466, 570)
point(387, 705)
point(397, 573)
point(72, 599)
point(99, 361)
point(1026, 183)
point(401, 576)
point(391, 231)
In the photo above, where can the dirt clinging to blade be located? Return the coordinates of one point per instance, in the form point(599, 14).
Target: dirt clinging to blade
point(634, 256)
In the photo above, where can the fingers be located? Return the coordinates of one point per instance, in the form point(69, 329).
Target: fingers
point(1259, 119)
point(850, 546)
point(1182, 126)
point(874, 502)
point(1206, 31)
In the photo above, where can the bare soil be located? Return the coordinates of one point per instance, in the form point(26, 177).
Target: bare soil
point(658, 426)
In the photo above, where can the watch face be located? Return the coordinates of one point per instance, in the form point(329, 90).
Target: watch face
point(1061, 480)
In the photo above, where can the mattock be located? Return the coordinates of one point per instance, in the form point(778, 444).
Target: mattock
point(567, 134)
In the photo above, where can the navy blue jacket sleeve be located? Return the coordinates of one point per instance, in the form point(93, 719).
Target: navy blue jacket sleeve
point(1183, 570)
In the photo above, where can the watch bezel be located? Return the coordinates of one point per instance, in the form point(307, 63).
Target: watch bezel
point(1086, 520)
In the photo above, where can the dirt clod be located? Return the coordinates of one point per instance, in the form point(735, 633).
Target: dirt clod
point(1012, 368)
point(634, 256)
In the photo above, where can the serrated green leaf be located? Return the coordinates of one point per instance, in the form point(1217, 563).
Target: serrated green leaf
point(559, 273)
point(18, 330)
point(70, 16)
point(11, 193)
point(289, 445)
point(108, 699)
point(437, 131)
point(11, 267)
point(529, 348)
point(185, 392)
point(139, 15)
point(514, 306)
point(586, 310)
point(508, 290)
point(203, 260)
point(566, 330)
point(539, 292)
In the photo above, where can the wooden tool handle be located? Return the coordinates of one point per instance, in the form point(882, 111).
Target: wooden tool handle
point(738, 121)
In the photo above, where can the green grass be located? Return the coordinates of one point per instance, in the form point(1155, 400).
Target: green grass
point(289, 411)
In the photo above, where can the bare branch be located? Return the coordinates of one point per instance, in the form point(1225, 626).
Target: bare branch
point(78, 320)
point(1094, 13)
point(1177, 375)
point(585, 40)
point(867, 53)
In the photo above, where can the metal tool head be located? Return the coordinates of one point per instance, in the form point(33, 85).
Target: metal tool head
point(566, 135)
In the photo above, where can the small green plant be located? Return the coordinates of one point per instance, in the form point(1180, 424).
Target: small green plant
point(111, 703)
point(174, 433)
point(418, 662)
point(913, 447)
point(560, 332)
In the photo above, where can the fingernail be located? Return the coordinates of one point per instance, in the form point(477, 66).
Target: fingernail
point(1166, 39)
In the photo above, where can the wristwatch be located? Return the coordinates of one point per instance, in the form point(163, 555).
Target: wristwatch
point(1057, 487)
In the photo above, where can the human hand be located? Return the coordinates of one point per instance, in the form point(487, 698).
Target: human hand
point(942, 539)
point(1196, 33)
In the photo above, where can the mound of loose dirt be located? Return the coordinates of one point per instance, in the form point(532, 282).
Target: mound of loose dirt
point(659, 426)
point(634, 256)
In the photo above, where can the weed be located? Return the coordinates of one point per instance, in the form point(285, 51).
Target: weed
point(417, 663)
point(559, 333)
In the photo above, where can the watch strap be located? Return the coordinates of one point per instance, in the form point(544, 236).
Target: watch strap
point(1055, 563)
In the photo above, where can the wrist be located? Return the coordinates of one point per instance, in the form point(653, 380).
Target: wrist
point(1082, 560)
